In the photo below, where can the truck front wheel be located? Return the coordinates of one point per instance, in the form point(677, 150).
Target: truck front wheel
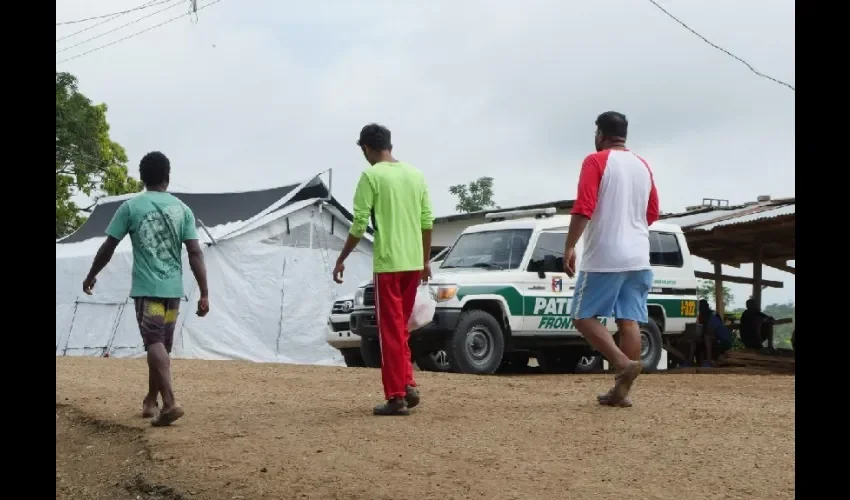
point(370, 351)
point(352, 357)
point(477, 344)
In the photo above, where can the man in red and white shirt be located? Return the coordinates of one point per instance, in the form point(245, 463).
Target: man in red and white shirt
point(616, 204)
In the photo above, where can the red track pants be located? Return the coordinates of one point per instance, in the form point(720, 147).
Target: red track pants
point(395, 294)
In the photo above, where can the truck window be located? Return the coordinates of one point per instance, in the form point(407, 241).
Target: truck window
point(552, 245)
point(664, 250)
point(501, 249)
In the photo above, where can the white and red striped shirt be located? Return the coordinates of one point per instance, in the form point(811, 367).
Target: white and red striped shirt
point(617, 193)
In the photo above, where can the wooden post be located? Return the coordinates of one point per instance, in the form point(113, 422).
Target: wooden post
point(719, 307)
point(757, 268)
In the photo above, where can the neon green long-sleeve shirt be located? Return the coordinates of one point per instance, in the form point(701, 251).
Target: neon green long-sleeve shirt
point(398, 196)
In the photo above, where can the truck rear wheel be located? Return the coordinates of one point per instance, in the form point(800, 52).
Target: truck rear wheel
point(650, 346)
point(477, 344)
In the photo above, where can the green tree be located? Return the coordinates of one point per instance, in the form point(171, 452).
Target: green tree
point(87, 160)
point(705, 290)
point(475, 196)
point(782, 333)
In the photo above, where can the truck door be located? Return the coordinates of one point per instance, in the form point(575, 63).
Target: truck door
point(546, 287)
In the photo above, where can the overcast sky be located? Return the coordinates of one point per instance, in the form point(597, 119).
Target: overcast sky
point(264, 93)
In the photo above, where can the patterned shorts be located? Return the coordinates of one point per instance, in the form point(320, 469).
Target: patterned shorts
point(157, 318)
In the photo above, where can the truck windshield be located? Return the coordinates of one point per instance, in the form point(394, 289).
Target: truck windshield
point(489, 250)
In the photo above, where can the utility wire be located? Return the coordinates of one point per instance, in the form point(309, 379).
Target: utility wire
point(118, 28)
point(140, 7)
point(721, 49)
point(95, 25)
point(137, 33)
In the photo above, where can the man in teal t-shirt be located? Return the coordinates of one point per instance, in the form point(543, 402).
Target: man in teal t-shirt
point(158, 224)
point(395, 195)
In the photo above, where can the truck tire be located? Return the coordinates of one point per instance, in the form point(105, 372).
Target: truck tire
point(651, 345)
point(352, 357)
point(434, 362)
point(370, 351)
point(477, 344)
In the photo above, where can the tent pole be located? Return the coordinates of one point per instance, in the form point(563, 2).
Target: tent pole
point(204, 227)
point(330, 173)
point(282, 310)
point(71, 328)
point(115, 328)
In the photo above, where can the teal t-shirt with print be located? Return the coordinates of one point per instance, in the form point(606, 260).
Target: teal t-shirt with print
point(158, 224)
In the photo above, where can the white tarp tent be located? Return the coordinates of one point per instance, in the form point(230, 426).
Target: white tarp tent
point(269, 277)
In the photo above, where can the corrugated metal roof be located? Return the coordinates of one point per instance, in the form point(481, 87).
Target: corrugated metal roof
point(695, 218)
point(766, 214)
point(711, 217)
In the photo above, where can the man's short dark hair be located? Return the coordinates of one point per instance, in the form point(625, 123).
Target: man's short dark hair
point(375, 137)
point(612, 124)
point(154, 168)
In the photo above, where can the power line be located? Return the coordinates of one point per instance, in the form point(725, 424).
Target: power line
point(721, 49)
point(95, 25)
point(137, 33)
point(118, 28)
point(140, 7)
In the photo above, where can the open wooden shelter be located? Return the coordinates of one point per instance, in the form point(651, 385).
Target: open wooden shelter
point(761, 233)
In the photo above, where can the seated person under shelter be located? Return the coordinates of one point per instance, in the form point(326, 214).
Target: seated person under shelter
point(756, 327)
point(716, 337)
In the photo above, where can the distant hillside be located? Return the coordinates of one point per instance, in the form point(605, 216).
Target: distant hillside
point(782, 333)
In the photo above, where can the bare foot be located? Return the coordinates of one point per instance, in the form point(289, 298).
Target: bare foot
point(623, 383)
point(149, 410)
point(167, 416)
point(606, 400)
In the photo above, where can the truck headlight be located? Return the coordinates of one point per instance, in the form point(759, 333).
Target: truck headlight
point(358, 297)
point(442, 293)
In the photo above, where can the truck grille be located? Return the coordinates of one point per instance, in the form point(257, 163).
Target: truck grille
point(369, 296)
point(339, 326)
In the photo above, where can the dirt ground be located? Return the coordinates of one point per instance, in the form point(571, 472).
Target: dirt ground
point(270, 431)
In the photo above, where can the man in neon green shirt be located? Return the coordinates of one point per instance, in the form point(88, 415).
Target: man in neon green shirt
point(396, 196)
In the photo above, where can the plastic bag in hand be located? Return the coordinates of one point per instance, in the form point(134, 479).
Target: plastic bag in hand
point(423, 309)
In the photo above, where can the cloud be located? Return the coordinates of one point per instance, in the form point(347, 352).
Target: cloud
point(266, 93)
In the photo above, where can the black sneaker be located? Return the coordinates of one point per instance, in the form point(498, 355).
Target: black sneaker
point(395, 406)
point(412, 396)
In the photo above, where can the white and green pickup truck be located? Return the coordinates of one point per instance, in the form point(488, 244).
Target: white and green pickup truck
point(503, 298)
